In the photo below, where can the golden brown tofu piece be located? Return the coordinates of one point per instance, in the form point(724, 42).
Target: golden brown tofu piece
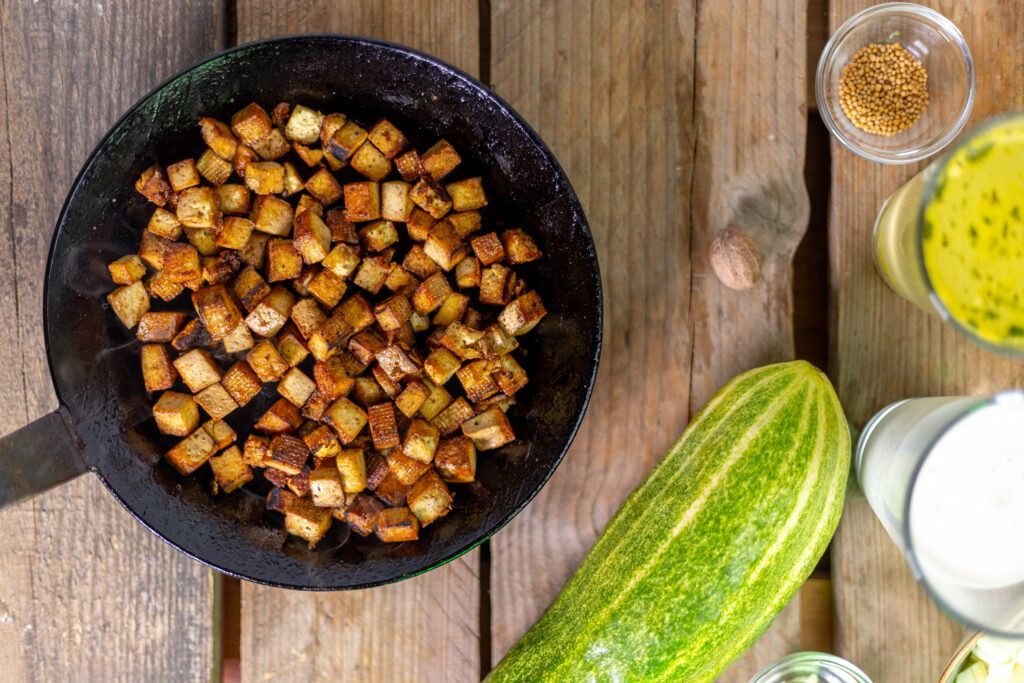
point(279, 499)
point(419, 264)
point(429, 498)
point(372, 274)
point(440, 160)
point(437, 400)
point(441, 365)
point(251, 124)
point(292, 348)
point(220, 268)
point(296, 387)
point(230, 472)
point(299, 483)
point(396, 363)
point(496, 285)
point(204, 240)
point(324, 187)
point(345, 418)
point(325, 489)
point(310, 156)
point(467, 273)
point(256, 250)
point(249, 288)
point(395, 204)
point(473, 319)
point(465, 223)
point(221, 433)
point(234, 199)
point(405, 469)
point(489, 430)
point(455, 459)
point(509, 375)
point(519, 247)
point(193, 336)
point(191, 452)
point(389, 489)
point(351, 466)
point(272, 215)
point(345, 141)
point(409, 166)
point(394, 525)
point(362, 201)
point(388, 139)
point(283, 261)
point(158, 372)
point(129, 302)
point(181, 263)
point(199, 207)
point(488, 248)
point(357, 312)
point(286, 453)
point(462, 341)
point(332, 381)
point(271, 313)
point(370, 162)
point(176, 414)
point(164, 224)
point(451, 310)
point(264, 177)
point(390, 388)
point(256, 450)
point(273, 146)
point(421, 441)
point(153, 185)
point(239, 339)
point(431, 293)
point(243, 157)
point(307, 521)
point(522, 314)
point(430, 197)
point(330, 125)
point(362, 514)
point(127, 270)
point(213, 168)
point(218, 137)
point(378, 235)
point(278, 478)
point(466, 195)
point(315, 407)
point(280, 418)
point(159, 326)
point(304, 125)
point(341, 229)
point(236, 232)
point(330, 337)
point(393, 312)
point(197, 369)
point(496, 342)
point(327, 288)
point(307, 317)
point(279, 114)
point(476, 380)
point(312, 237)
point(412, 398)
point(322, 444)
point(266, 361)
point(343, 260)
point(419, 224)
point(216, 401)
point(449, 419)
point(217, 309)
point(383, 427)
point(402, 282)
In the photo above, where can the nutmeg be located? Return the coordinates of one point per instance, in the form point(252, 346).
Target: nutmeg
point(735, 259)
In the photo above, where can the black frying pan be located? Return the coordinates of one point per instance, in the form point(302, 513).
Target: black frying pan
point(103, 423)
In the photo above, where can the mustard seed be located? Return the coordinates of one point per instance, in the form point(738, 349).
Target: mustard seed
point(884, 89)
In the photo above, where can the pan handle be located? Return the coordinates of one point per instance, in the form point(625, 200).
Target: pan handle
point(39, 456)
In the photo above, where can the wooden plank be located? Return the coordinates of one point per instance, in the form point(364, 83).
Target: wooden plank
point(426, 628)
point(80, 576)
point(620, 100)
point(884, 350)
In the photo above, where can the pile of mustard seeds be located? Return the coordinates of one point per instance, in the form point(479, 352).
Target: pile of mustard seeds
point(884, 89)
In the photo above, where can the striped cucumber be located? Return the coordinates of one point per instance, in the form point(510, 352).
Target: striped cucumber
point(702, 556)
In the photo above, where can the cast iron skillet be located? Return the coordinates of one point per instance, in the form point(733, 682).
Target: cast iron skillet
point(103, 423)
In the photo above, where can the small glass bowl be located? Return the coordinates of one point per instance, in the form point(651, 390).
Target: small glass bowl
point(931, 38)
point(808, 667)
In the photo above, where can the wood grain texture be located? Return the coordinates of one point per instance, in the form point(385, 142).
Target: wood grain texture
point(427, 628)
point(651, 119)
point(86, 593)
point(884, 349)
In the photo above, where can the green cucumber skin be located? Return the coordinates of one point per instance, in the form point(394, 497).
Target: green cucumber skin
point(701, 557)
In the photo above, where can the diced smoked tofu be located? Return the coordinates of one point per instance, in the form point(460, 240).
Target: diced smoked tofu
point(217, 309)
point(332, 336)
point(250, 288)
point(280, 418)
point(496, 285)
point(342, 230)
point(383, 428)
point(331, 379)
point(476, 379)
point(351, 466)
point(213, 168)
point(193, 336)
point(395, 204)
point(243, 157)
point(361, 515)
point(291, 347)
point(264, 177)
point(455, 459)
point(509, 375)
point(327, 288)
point(388, 139)
point(465, 223)
point(292, 180)
point(405, 469)
point(158, 372)
point(366, 344)
point(390, 387)
point(159, 327)
point(342, 260)
point(221, 268)
point(151, 249)
point(452, 309)
point(203, 239)
point(396, 363)
point(441, 365)
point(279, 114)
point(462, 341)
point(402, 282)
point(221, 433)
point(279, 499)
point(378, 235)
point(390, 489)
point(239, 339)
point(191, 452)
point(218, 137)
point(266, 362)
point(153, 185)
point(437, 400)
point(296, 387)
point(345, 141)
point(312, 237)
point(256, 250)
point(488, 248)
point(419, 224)
point(421, 441)
point(411, 398)
point(496, 342)
point(419, 264)
point(444, 247)
point(394, 525)
point(520, 316)
point(273, 146)
point(234, 199)
point(324, 188)
point(429, 498)
point(393, 312)
point(372, 273)
point(449, 419)
point(409, 166)
point(489, 430)
point(325, 489)
point(519, 247)
point(440, 160)
point(164, 224)
point(278, 479)
point(273, 216)
point(251, 124)
point(199, 207)
point(346, 419)
point(307, 521)
point(367, 391)
point(216, 401)
point(330, 125)
point(304, 125)
point(431, 293)
point(315, 406)
point(257, 448)
point(176, 414)
point(271, 313)
point(419, 323)
point(430, 197)
point(229, 470)
point(362, 201)
point(181, 263)
point(283, 261)
point(308, 317)
point(198, 369)
point(236, 232)
point(312, 157)
point(370, 162)
point(322, 443)
point(466, 195)
point(467, 273)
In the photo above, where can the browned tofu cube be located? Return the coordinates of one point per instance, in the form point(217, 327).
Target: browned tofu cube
point(315, 407)
point(322, 443)
point(197, 369)
point(419, 224)
point(266, 361)
point(158, 372)
point(278, 479)
point(362, 201)
point(330, 125)
point(256, 450)
point(234, 199)
point(191, 452)
point(327, 288)
point(308, 317)
point(250, 288)
point(419, 264)
point(164, 224)
point(221, 268)
point(217, 309)
point(389, 489)
point(455, 459)
point(520, 316)
point(279, 499)
point(230, 472)
point(405, 469)
point(307, 521)
point(370, 162)
point(372, 273)
point(203, 239)
point(312, 237)
point(368, 392)
point(476, 380)
point(325, 489)
point(431, 293)
point(496, 342)
point(444, 246)
point(429, 498)
point(346, 419)
point(273, 146)
point(264, 177)
point(441, 365)
point(283, 261)
point(273, 216)
point(127, 270)
point(452, 309)
point(393, 312)
point(465, 223)
point(361, 515)
point(332, 381)
point(312, 157)
point(280, 418)
point(412, 398)
point(218, 137)
point(255, 251)
point(239, 339)
point(401, 282)
point(176, 414)
point(509, 375)
point(467, 273)
point(365, 345)
point(236, 232)
point(279, 114)
point(466, 195)
point(430, 197)
point(331, 337)
point(383, 428)
point(159, 327)
point(396, 363)
point(489, 430)
point(409, 166)
point(519, 247)
point(181, 263)
point(193, 336)
point(345, 141)
point(342, 230)
point(419, 323)
point(324, 187)
point(304, 125)
point(376, 470)
point(153, 185)
point(296, 387)
point(473, 319)
point(488, 248)
point(388, 139)
point(243, 157)
point(437, 400)
point(395, 202)
point(390, 387)
point(351, 466)
point(342, 260)
point(440, 160)
point(290, 345)
point(421, 441)
point(496, 285)
point(378, 235)
point(199, 207)
point(462, 341)
point(449, 419)
point(213, 168)
point(292, 180)
point(251, 124)
point(221, 433)
point(216, 401)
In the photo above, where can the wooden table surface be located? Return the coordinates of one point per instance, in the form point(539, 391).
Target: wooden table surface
point(674, 119)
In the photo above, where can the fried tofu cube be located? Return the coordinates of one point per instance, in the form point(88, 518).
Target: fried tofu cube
point(279, 480)
point(330, 337)
point(390, 489)
point(251, 124)
point(307, 317)
point(307, 521)
point(325, 489)
point(158, 372)
point(395, 363)
point(193, 336)
point(199, 207)
point(166, 225)
point(476, 380)
point(520, 316)
point(394, 525)
point(342, 260)
point(419, 323)
point(213, 168)
point(401, 282)
point(395, 202)
point(198, 369)
point(383, 427)
point(465, 223)
point(243, 157)
point(255, 251)
point(452, 309)
point(273, 216)
point(312, 237)
point(218, 137)
point(292, 180)
point(129, 302)
point(496, 285)
point(489, 430)
point(509, 375)
point(342, 230)
point(280, 418)
point(322, 443)
point(431, 293)
point(239, 339)
point(312, 157)
point(221, 433)
point(430, 197)
point(437, 400)
point(361, 515)
point(296, 387)
point(203, 239)
point(266, 361)
point(291, 347)
point(256, 450)
point(378, 235)
point(455, 459)
point(405, 469)
point(368, 392)
point(421, 441)
point(176, 414)
point(412, 398)
point(220, 268)
point(466, 195)
point(387, 138)
point(362, 201)
point(346, 419)
point(332, 381)
point(351, 465)
point(496, 342)
point(449, 419)
point(419, 264)
point(372, 273)
point(230, 472)
point(419, 224)
point(217, 309)
point(462, 341)
point(283, 261)
point(324, 187)
point(279, 114)
point(191, 452)
point(409, 166)
point(181, 263)
point(519, 247)
point(429, 498)
point(365, 345)
point(264, 177)
point(468, 273)
point(440, 160)
point(393, 312)
point(330, 125)
point(441, 365)
point(444, 246)
point(315, 407)
point(159, 327)
point(235, 233)
point(304, 125)
point(327, 288)
point(216, 401)
point(345, 141)
point(250, 288)
point(488, 248)
point(273, 146)
point(278, 499)
point(370, 162)
point(153, 185)
point(234, 199)
point(390, 387)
